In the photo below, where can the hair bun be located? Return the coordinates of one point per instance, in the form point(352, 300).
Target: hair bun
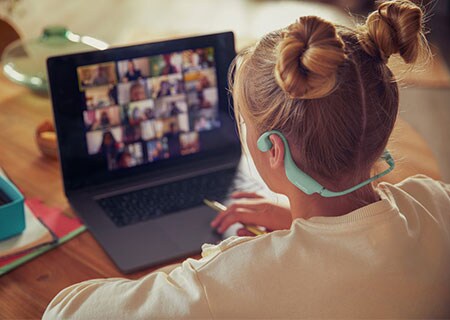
point(308, 57)
point(396, 27)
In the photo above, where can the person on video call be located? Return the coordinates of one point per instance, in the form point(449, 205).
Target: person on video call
point(174, 110)
point(203, 83)
point(137, 91)
point(202, 101)
point(104, 119)
point(125, 160)
point(102, 122)
point(103, 76)
point(132, 73)
point(109, 149)
point(149, 114)
point(108, 144)
point(319, 103)
point(86, 77)
point(178, 87)
point(173, 139)
point(204, 62)
point(168, 68)
point(89, 119)
point(112, 96)
point(158, 151)
point(131, 133)
point(164, 89)
point(136, 116)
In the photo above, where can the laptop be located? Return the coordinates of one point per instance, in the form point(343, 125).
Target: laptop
point(145, 134)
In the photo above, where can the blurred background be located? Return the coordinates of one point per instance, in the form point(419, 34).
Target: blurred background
point(121, 22)
point(425, 94)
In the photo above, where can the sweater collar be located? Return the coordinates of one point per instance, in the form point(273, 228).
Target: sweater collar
point(367, 213)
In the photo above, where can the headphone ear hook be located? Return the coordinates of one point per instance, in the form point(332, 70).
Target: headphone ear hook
point(305, 182)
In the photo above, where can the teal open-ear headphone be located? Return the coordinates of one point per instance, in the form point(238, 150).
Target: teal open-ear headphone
point(305, 182)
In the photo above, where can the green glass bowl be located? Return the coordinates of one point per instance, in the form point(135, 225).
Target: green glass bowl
point(24, 62)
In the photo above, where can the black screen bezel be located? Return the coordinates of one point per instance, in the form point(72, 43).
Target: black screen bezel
point(80, 170)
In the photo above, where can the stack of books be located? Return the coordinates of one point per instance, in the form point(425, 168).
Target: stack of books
point(45, 228)
point(35, 235)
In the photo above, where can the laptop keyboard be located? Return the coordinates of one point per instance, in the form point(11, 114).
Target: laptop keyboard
point(144, 204)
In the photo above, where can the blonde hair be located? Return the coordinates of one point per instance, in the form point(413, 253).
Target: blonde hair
point(328, 88)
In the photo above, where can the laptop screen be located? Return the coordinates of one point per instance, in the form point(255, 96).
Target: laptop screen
point(147, 109)
point(132, 110)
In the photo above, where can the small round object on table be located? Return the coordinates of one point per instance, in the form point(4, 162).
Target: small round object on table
point(46, 139)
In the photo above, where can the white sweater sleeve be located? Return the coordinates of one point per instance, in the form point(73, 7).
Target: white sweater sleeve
point(179, 294)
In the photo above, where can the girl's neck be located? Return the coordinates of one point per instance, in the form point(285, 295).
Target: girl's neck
point(307, 206)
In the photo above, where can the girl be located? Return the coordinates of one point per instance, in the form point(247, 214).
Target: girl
point(319, 103)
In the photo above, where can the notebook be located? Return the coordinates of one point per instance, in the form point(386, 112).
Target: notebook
point(36, 234)
point(46, 228)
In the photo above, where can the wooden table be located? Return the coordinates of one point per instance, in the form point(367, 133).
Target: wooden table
point(26, 291)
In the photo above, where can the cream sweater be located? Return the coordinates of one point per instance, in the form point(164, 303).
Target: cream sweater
point(388, 259)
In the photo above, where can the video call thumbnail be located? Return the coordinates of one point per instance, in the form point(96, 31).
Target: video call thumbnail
point(102, 118)
point(189, 143)
point(129, 156)
point(139, 111)
point(198, 80)
point(133, 69)
point(171, 106)
point(99, 97)
point(198, 59)
point(157, 149)
point(146, 109)
point(140, 89)
point(165, 64)
point(104, 142)
point(168, 85)
point(97, 75)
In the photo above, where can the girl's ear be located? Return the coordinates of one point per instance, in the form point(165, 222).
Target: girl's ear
point(276, 153)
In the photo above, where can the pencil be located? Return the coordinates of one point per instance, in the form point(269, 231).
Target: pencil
point(217, 206)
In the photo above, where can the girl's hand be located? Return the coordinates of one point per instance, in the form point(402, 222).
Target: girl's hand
point(252, 209)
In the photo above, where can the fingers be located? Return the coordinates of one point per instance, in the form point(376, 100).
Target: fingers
point(243, 194)
point(251, 204)
point(241, 216)
point(254, 205)
point(222, 214)
point(242, 232)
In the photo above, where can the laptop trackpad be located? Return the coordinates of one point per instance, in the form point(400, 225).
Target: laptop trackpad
point(191, 228)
